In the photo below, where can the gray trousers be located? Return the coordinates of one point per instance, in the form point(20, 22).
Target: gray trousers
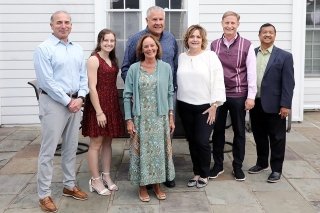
point(56, 123)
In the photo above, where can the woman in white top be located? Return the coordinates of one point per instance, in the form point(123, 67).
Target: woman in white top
point(200, 91)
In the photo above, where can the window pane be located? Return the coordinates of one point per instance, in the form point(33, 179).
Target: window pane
point(309, 34)
point(309, 21)
point(162, 3)
point(132, 23)
point(315, 17)
point(316, 66)
point(116, 4)
point(120, 50)
point(308, 66)
point(124, 24)
point(312, 47)
point(176, 23)
point(132, 4)
point(308, 51)
point(310, 5)
point(119, 4)
point(177, 4)
point(174, 4)
point(116, 22)
point(316, 51)
point(316, 37)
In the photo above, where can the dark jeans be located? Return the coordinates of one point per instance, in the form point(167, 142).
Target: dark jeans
point(236, 108)
point(197, 133)
point(268, 130)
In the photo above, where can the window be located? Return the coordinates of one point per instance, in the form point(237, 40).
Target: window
point(312, 58)
point(126, 17)
point(123, 18)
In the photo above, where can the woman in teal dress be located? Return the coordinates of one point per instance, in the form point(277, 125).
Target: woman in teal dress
point(148, 106)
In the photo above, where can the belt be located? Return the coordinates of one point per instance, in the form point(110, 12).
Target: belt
point(74, 95)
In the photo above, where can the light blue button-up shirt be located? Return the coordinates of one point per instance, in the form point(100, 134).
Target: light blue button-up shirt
point(60, 69)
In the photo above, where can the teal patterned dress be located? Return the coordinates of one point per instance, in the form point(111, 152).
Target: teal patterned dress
point(150, 149)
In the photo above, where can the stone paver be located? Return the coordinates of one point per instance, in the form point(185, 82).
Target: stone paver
point(186, 202)
point(284, 202)
point(8, 145)
point(299, 169)
point(297, 191)
point(13, 184)
point(5, 157)
point(229, 192)
point(20, 166)
point(308, 188)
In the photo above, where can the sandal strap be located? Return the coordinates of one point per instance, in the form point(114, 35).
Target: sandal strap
point(97, 178)
point(203, 180)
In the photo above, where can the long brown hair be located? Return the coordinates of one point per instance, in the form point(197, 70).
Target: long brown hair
point(112, 54)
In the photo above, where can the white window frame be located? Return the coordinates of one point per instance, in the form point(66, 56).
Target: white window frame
point(192, 9)
point(298, 53)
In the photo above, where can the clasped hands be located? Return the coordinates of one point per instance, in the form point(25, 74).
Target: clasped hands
point(75, 105)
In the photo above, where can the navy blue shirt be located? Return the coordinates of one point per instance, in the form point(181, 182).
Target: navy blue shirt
point(169, 52)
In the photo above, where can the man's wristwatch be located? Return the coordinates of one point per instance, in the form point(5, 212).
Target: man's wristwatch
point(83, 98)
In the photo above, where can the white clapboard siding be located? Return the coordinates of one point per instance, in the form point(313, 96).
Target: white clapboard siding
point(244, 2)
point(258, 17)
point(252, 15)
point(38, 37)
point(24, 25)
point(311, 93)
point(44, 18)
point(14, 102)
point(13, 120)
point(21, 73)
point(28, 54)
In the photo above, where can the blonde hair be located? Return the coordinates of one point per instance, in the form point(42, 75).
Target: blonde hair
point(231, 13)
point(203, 34)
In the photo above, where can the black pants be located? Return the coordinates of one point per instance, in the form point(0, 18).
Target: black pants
point(236, 108)
point(268, 130)
point(197, 133)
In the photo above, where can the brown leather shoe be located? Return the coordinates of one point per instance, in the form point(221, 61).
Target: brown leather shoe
point(47, 204)
point(76, 193)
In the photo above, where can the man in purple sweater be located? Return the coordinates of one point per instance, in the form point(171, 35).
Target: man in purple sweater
point(239, 65)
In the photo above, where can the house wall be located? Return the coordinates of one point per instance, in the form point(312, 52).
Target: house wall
point(24, 25)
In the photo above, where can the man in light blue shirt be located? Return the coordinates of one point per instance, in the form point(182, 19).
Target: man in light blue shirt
point(62, 79)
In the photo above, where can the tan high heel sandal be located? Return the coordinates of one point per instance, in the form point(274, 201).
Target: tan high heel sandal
point(145, 198)
point(112, 187)
point(157, 190)
point(104, 191)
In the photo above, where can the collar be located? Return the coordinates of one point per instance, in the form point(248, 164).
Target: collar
point(228, 43)
point(147, 31)
point(268, 50)
point(56, 40)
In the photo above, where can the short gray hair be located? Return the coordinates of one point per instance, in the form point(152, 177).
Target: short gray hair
point(58, 12)
point(154, 8)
